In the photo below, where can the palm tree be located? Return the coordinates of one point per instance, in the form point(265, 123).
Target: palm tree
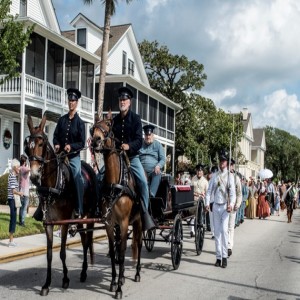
point(110, 8)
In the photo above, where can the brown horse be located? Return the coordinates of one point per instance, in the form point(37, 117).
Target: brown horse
point(119, 208)
point(55, 187)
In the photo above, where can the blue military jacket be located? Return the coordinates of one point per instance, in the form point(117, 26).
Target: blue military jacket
point(70, 131)
point(128, 130)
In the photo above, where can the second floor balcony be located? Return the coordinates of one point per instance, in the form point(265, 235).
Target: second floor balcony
point(43, 95)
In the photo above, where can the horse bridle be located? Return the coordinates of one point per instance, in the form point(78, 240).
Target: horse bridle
point(28, 144)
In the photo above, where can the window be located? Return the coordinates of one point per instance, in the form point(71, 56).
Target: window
point(16, 139)
point(72, 70)
point(143, 105)
point(35, 56)
point(152, 110)
point(130, 67)
point(23, 8)
point(170, 124)
point(87, 76)
point(55, 58)
point(81, 37)
point(162, 119)
point(124, 62)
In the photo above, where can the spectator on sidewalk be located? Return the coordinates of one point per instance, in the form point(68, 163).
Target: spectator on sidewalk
point(24, 188)
point(13, 188)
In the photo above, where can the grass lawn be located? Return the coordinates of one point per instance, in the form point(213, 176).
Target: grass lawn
point(32, 227)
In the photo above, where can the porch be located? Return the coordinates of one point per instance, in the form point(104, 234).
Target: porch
point(42, 95)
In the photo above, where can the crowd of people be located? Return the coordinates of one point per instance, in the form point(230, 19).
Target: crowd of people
point(230, 198)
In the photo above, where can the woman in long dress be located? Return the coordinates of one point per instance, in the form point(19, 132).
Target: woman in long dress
point(263, 208)
point(252, 200)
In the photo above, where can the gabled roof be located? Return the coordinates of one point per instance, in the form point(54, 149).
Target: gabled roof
point(116, 32)
point(259, 138)
point(87, 20)
point(247, 127)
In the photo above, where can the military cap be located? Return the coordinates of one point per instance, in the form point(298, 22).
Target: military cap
point(125, 93)
point(223, 155)
point(73, 94)
point(148, 129)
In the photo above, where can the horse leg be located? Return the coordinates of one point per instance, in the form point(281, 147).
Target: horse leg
point(87, 243)
point(111, 240)
point(123, 237)
point(49, 235)
point(64, 232)
point(137, 247)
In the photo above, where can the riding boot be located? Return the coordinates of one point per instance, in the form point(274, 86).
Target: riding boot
point(38, 214)
point(147, 220)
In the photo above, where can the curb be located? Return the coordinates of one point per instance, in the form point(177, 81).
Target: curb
point(43, 249)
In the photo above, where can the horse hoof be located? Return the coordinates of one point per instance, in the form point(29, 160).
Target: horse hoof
point(83, 277)
point(118, 295)
point(113, 287)
point(137, 278)
point(44, 292)
point(65, 284)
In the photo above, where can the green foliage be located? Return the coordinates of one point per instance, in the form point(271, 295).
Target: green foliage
point(13, 40)
point(32, 227)
point(283, 153)
point(3, 189)
point(201, 129)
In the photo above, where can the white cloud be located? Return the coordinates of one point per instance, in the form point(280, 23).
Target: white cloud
point(220, 97)
point(152, 4)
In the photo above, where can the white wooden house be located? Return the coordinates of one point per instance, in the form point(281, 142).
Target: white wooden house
point(252, 146)
point(55, 61)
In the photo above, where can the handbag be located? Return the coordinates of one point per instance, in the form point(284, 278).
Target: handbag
point(17, 201)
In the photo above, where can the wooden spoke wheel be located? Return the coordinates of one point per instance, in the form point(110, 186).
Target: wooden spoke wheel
point(176, 242)
point(149, 239)
point(199, 226)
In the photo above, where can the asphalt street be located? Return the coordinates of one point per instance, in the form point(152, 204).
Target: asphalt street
point(264, 265)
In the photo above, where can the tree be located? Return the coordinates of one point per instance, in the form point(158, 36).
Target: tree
point(110, 8)
point(201, 129)
point(13, 40)
point(283, 153)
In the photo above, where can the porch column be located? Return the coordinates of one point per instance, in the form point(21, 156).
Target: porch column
point(22, 105)
point(45, 78)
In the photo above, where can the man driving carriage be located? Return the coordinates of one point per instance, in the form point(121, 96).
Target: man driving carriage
point(153, 159)
point(69, 136)
point(127, 129)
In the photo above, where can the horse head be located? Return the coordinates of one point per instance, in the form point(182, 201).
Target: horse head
point(102, 135)
point(35, 147)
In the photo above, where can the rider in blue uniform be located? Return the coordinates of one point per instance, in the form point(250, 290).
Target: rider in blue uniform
point(69, 135)
point(127, 129)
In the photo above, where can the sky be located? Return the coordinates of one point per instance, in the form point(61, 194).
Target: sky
point(250, 49)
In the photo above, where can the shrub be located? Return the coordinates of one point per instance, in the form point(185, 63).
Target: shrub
point(3, 189)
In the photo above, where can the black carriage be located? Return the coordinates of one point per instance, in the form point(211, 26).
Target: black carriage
point(172, 205)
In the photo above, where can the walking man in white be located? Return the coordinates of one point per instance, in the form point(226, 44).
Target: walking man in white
point(232, 215)
point(221, 188)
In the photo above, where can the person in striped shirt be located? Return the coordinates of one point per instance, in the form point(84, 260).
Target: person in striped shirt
point(13, 188)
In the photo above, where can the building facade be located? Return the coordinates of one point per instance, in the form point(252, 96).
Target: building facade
point(55, 61)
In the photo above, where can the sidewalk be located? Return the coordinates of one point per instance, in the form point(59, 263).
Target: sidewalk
point(33, 245)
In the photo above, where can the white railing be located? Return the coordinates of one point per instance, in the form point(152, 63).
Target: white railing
point(54, 93)
point(11, 86)
point(40, 90)
point(34, 86)
point(86, 105)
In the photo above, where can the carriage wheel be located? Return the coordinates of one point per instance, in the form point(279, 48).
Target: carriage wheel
point(199, 227)
point(176, 242)
point(149, 239)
